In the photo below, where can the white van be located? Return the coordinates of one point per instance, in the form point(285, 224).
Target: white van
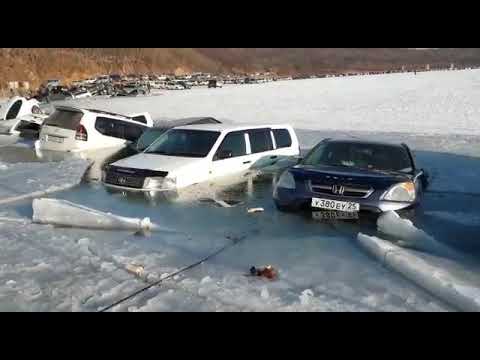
point(71, 129)
point(193, 154)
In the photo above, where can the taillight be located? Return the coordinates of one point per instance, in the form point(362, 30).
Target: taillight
point(81, 133)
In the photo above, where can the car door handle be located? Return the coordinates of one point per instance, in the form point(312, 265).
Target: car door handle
point(273, 157)
point(247, 162)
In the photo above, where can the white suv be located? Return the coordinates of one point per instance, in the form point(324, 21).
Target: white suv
point(193, 154)
point(71, 129)
point(19, 110)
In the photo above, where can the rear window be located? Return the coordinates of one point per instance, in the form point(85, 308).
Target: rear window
point(260, 140)
point(64, 119)
point(282, 138)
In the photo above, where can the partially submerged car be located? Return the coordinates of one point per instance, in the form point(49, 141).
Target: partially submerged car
point(352, 176)
point(72, 129)
point(151, 135)
point(20, 113)
point(188, 155)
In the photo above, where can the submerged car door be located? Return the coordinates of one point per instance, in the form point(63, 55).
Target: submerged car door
point(262, 150)
point(231, 156)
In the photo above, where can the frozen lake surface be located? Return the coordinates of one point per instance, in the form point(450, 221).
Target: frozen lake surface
point(321, 265)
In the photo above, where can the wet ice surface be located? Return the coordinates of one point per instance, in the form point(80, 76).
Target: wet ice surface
point(321, 266)
point(81, 270)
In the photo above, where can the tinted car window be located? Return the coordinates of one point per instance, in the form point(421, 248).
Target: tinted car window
point(185, 143)
point(110, 127)
point(361, 156)
point(235, 143)
point(282, 138)
point(133, 132)
point(148, 137)
point(260, 140)
point(64, 119)
point(14, 110)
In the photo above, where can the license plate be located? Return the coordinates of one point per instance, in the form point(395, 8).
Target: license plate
point(54, 139)
point(346, 206)
point(337, 215)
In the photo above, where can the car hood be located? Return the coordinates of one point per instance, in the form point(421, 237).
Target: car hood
point(157, 162)
point(336, 175)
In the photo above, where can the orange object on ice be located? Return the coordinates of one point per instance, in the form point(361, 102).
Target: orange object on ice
point(268, 272)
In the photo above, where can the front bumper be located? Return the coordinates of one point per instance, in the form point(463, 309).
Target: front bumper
point(299, 199)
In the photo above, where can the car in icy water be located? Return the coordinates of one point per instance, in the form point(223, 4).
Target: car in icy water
point(71, 129)
point(193, 154)
point(348, 176)
point(20, 115)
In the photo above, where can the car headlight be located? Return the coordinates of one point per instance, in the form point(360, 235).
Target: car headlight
point(160, 183)
point(286, 181)
point(170, 183)
point(404, 192)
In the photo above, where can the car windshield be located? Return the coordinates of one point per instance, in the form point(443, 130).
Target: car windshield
point(374, 157)
point(185, 143)
point(149, 137)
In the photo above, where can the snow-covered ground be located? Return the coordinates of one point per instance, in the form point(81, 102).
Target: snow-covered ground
point(321, 266)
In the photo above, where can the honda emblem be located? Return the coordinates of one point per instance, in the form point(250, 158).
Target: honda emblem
point(338, 190)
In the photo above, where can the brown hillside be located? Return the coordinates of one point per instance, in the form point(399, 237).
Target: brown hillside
point(38, 64)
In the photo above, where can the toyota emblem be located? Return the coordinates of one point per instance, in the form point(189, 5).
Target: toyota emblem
point(122, 180)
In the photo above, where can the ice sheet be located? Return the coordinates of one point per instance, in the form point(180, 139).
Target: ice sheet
point(440, 102)
point(27, 180)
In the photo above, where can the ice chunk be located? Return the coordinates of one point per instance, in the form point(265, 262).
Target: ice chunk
point(264, 293)
point(447, 280)
point(255, 210)
point(391, 223)
point(28, 180)
point(66, 213)
point(306, 297)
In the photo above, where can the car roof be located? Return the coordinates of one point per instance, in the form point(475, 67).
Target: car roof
point(162, 124)
point(95, 111)
point(365, 142)
point(231, 127)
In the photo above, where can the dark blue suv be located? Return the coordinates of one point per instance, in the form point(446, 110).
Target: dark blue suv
point(352, 176)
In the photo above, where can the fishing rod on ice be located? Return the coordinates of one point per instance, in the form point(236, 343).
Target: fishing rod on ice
point(235, 241)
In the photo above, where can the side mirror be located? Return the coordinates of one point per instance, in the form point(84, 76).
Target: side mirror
point(225, 154)
point(298, 159)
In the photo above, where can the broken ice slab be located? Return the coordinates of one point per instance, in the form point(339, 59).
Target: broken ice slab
point(445, 279)
point(65, 213)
